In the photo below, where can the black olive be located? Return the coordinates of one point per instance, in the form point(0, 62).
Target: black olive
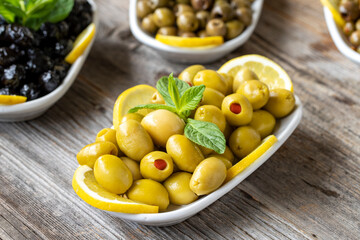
point(61, 69)
point(30, 90)
point(38, 62)
point(63, 29)
point(13, 33)
point(49, 81)
point(6, 91)
point(13, 76)
point(7, 56)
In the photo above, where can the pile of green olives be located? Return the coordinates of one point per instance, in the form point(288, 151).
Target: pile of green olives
point(350, 11)
point(148, 159)
point(195, 18)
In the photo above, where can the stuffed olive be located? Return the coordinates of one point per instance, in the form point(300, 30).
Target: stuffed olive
point(157, 166)
point(178, 187)
point(237, 109)
point(210, 113)
point(256, 92)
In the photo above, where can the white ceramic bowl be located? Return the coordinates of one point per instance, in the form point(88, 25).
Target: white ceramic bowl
point(177, 214)
point(188, 55)
point(35, 108)
point(340, 40)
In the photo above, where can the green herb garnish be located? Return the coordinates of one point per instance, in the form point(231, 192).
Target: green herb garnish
point(33, 13)
point(181, 99)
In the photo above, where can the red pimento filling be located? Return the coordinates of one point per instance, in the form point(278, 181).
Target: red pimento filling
point(160, 164)
point(235, 108)
point(190, 84)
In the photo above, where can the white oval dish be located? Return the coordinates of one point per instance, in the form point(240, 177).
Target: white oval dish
point(176, 214)
point(340, 40)
point(32, 109)
point(188, 55)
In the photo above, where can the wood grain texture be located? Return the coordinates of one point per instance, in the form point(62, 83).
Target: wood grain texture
point(308, 190)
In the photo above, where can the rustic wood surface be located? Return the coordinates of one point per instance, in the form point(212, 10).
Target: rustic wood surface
point(308, 190)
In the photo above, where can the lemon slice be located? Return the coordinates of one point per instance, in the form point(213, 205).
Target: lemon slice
point(91, 192)
point(249, 159)
point(140, 94)
point(11, 99)
point(333, 6)
point(81, 43)
point(191, 42)
point(267, 70)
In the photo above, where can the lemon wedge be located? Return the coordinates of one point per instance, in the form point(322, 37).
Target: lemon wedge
point(81, 43)
point(91, 192)
point(333, 6)
point(249, 159)
point(140, 94)
point(267, 70)
point(11, 99)
point(191, 42)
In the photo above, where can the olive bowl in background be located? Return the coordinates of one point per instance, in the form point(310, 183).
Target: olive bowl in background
point(340, 40)
point(35, 108)
point(176, 214)
point(189, 55)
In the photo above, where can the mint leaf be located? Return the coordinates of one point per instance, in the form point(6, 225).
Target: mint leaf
point(151, 106)
point(191, 98)
point(205, 134)
point(61, 10)
point(162, 86)
point(8, 15)
point(174, 91)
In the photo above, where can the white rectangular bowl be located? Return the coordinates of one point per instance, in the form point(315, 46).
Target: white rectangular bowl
point(176, 214)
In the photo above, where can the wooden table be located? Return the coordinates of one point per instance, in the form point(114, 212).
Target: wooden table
point(308, 190)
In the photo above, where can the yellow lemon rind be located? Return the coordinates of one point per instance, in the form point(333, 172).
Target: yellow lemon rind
point(12, 99)
point(190, 42)
point(334, 11)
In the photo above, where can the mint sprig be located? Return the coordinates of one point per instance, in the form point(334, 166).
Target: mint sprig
point(181, 99)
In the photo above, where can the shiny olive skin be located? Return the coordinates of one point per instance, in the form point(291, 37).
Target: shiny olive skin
point(227, 154)
point(185, 154)
point(263, 122)
point(233, 118)
point(244, 140)
point(133, 140)
point(212, 97)
point(148, 24)
point(158, 3)
point(349, 28)
point(244, 15)
point(243, 75)
point(164, 17)
point(256, 92)
point(162, 124)
point(149, 169)
point(357, 24)
point(210, 113)
point(223, 11)
point(187, 34)
point(149, 192)
point(167, 31)
point(181, 8)
point(226, 161)
point(187, 22)
point(229, 80)
point(355, 38)
point(202, 34)
point(281, 103)
point(157, 98)
point(91, 152)
point(211, 79)
point(349, 10)
point(216, 27)
point(233, 29)
point(201, 4)
point(183, 2)
point(228, 130)
point(133, 166)
point(240, 3)
point(203, 17)
point(189, 73)
point(205, 151)
point(143, 8)
point(208, 176)
point(108, 135)
point(178, 187)
point(133, 116)
point(112, 174)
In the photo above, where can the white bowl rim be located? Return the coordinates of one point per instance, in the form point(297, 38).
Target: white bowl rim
point(55, 95)
point(152, 42)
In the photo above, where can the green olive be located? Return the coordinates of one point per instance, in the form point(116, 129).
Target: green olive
point(212, 97)
point(263, 122)
point(256, 92)
point(205, 151)
point(357, 24)
point(226, 161)
point(210, 113)
point(281, 102)
point(229, 80)
point(157, 166)
point(244, 15)
point(183, 2)
point(227, 154)
point(216, 27)
point(243, 141)
point(355, 38)
point(233, 29)
point(349, 10)
point(91, 152)
point(201, 4)
point(157, 98)
point(164, 17)
point(133, 140)
point(158, 3)
point(184, 152)
point(349, 28)
point(228, 130)
point(181, 8)
point(148, 24)
point(211, 79)
point(237, 109)
point(133, 116)
point(112, 174)
point(208, 176)
point(108, 135)
point(133, 166)
point(143, 8)
point(178, 187)
point(202, 34)
point(189, 73)
point(167, 31)
point(223, 11)
point(149, 192)
point(187, 22)
point(203, 17)
point(187, 34)
point(240, 3)
point(245, 74)
point(162, 124)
